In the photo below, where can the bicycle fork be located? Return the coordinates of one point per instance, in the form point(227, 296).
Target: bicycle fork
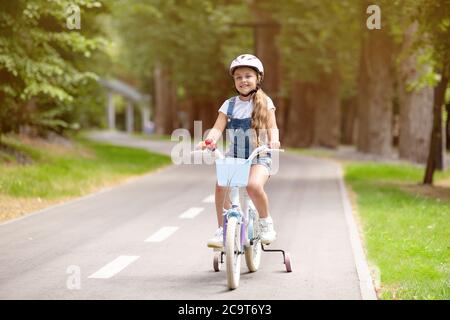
point(236, 211)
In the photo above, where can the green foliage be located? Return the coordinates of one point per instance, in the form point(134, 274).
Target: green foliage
point(320, 36)
point(195, 40)
point(42, 61)
point(431, 42)
point(45, 66)
point(434, 21)
point(317, 38)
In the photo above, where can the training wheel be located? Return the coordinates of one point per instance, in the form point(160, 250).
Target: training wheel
point(216, 262)
point(287, 262)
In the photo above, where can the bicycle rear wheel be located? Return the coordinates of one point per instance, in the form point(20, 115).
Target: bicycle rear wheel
point(253, 251)
point(232, 251)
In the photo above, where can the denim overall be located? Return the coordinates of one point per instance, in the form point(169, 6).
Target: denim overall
point(240, 146)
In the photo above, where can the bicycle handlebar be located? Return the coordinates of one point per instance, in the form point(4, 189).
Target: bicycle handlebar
point(263, 148)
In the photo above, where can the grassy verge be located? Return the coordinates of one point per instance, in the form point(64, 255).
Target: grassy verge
point(405, 227)
point(59, 172)
point(155, 137)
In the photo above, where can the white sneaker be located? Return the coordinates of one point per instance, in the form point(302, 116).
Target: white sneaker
point(217, 240)
point(268, 234)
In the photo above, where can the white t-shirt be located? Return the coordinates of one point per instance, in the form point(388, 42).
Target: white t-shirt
point(243, 109)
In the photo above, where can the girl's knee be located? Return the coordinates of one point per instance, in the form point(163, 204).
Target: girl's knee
point(220, 189)
point(254, 188)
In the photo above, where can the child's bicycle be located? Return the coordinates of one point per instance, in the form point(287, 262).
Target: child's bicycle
point(241, 232)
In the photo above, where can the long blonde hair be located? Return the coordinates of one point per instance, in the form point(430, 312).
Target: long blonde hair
point(260, 114)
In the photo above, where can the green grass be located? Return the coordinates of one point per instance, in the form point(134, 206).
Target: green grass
point(87, 167)
point(156, 137)
point(406, 234)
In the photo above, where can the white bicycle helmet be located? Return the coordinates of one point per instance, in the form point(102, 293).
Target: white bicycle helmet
point(247, 60)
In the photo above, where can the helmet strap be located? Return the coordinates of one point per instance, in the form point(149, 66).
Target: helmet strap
point(249, 93)
point(258, 86)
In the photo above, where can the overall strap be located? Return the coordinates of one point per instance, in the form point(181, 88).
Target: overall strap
point(231, 108)
point(230, 116)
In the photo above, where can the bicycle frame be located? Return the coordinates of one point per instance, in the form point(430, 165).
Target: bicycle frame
point(241, 213)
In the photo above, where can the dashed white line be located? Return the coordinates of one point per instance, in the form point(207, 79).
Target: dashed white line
point(162, 234)
point(191, 213)
point(114, 267)
point(209, 199)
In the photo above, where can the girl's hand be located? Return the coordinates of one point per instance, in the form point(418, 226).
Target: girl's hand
point(201, 145)
point(274, 145)
point(208, 143)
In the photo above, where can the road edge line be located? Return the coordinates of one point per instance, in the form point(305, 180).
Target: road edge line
point(362, 268)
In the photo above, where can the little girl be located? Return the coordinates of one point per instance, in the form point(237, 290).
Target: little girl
point(249, 118)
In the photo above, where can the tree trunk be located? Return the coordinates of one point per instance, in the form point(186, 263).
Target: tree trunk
point(204, 109)
point(266, 49)
point(416, 115)
point(163, 101)
point(300, 121)
point(435, 151)
point(375, 92)
point(207, 112)
point(282, 118)
point(447, 127)
point(348, 118)
point(175, 121)
point(187, 118)
point(327, 112)
point(26, 126)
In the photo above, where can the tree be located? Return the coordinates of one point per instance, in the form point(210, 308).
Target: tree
point(434, 21)
point(375, 88)
point(189, 44)
point(317, 53)
point(41, 61)
point(416, 101)
point(266, 31)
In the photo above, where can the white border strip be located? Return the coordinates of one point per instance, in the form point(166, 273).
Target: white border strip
point(365, 280)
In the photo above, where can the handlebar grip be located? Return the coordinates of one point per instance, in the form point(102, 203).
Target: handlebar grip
point(210, 144)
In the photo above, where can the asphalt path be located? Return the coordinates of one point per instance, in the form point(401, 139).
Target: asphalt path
point(146, 239)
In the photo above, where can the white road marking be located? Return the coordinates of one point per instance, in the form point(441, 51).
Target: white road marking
point(114, 267)
point(162, 234)
point(209, 199)
point(191, 213)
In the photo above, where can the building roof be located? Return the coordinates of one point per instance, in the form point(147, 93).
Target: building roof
point(124, 89)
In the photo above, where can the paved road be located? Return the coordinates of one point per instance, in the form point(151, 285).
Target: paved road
point(129, 242)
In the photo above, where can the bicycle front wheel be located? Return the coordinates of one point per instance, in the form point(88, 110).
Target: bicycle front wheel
point(253, 251)
point(232, 251)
